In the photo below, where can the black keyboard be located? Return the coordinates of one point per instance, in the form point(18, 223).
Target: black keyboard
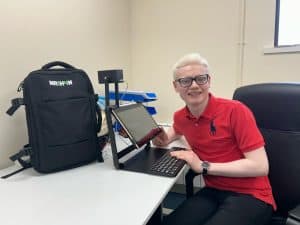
point(167, 166)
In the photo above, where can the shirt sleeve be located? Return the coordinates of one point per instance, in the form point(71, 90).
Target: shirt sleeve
point(245, 130)
point(176, 123)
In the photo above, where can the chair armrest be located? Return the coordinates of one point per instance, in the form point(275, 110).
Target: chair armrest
point(189, 182)
point(294, 216)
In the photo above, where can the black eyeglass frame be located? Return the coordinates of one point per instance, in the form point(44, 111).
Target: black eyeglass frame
point(191, 79)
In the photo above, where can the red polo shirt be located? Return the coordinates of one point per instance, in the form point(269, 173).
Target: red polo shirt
point(225, 131)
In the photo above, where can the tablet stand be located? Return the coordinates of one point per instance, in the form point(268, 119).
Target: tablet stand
point(107, 77)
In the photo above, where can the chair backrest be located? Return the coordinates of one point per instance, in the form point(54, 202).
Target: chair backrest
point(276, 107)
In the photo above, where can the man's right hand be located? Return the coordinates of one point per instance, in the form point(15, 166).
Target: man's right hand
point(161, 139)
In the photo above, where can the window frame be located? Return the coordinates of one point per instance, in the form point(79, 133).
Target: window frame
point(277, 15)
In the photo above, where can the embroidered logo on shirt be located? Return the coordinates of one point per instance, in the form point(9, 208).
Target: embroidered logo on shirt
point(213, 129)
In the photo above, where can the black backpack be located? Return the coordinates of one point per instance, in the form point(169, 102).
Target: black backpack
point(63, 119)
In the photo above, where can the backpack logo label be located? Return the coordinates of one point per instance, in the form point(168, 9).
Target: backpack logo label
point(60, 83)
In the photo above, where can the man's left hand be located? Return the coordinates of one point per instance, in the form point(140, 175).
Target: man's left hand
point(190, 157)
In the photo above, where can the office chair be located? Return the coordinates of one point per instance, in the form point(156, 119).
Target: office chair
point(276, 107)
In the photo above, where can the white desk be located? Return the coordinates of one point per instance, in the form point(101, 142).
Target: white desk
point(95, 194)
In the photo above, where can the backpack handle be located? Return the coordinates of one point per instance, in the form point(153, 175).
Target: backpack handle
point(57, 63)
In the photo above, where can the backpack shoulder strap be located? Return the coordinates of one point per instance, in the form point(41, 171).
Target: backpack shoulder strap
point(15, 172)
point(99, 115)
point(15, 104)
point(25, 151)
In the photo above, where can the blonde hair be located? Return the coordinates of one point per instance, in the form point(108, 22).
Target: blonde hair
point(189, 59)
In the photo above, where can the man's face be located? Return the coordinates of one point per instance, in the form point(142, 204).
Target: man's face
point(195, 94)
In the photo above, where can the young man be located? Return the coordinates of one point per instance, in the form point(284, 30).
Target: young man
point(226, 147)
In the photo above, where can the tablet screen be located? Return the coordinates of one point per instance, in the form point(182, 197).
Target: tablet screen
point(137, 123)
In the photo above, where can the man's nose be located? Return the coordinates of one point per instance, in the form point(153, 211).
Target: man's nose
point(194, 84)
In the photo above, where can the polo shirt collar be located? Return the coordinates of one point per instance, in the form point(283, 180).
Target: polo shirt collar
point(209, 112)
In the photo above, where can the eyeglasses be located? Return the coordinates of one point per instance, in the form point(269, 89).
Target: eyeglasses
point(187, 81)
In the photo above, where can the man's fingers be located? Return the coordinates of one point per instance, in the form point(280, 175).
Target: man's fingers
point(178, 154)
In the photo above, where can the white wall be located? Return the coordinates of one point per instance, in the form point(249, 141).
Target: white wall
point(91, 34)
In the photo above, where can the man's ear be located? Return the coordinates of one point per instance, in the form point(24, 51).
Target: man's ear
point(209, 79)
point(175, 85)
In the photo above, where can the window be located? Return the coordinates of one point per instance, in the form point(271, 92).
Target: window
point(287, 28)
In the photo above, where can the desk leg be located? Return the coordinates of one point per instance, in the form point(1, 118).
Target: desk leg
point(156, 217)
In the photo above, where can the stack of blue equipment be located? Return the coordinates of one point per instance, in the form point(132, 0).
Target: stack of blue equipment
point(131, 96)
